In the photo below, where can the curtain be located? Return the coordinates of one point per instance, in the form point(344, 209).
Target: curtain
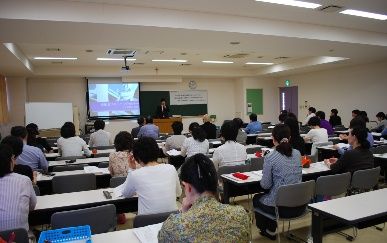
point(3, 100)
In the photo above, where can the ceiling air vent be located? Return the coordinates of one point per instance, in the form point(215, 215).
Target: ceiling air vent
point(121, 52)
point(330, 9)
point(279, 58)
point(237, 55)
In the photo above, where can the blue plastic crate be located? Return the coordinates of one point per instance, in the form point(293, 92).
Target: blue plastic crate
point(70, 234)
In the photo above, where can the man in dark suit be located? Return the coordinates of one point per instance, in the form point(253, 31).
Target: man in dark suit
point(162, 110)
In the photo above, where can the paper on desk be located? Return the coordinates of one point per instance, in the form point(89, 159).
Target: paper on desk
point(117, 191)
point(216, 142)
point(94, 169)
point(173, 152)
point(148, 234)
point(211, 150)
point(343, 145)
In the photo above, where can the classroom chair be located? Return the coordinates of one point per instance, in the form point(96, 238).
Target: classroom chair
point(116, 181)
point(103, 165)
point(364, 180)
point(36, 189)
point(256, 164)
point(21, 235)
point(67, 168)
point(227, 170)
point(73, 183)
point(379, 150)
point(148, 219)
point(253, 150)
point(314, 151)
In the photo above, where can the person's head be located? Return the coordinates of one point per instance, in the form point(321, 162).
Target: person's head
point(238, 122)
point(7, 160)
point(141, 120)
point(123, 141)
point(32, 130)
point(99, 124)
point(292, 115)
point(358, 137)
point(177, 127)
point(198, 175)
point(145, 150)
point(363, 114)
point(311, 110)
point(19, 131)
point(163, 102)
point(381, 116)
point(334, 112)
point(314, 121)
point(281, 138)
point(355, 113)
point(206, 118)
point(282, 117)
point(67, 130)
point(149, 120)
point(321, 115)
point(192, 126)
point(15, 143)
point(284, 112)
point(293, 126)
point(357, 122)
point(229, 131)
point(253, 117)
point(199, 134)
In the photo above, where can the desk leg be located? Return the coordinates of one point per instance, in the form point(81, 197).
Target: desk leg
point(226, 192)
point(317, 227)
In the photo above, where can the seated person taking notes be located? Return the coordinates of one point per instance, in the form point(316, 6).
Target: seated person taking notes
point(316, 133)
point(254, 126)
point(100, 137)
point(119, 160)
point(197, 144)
point(149, 129)
point(208, 127)
point(69, 144)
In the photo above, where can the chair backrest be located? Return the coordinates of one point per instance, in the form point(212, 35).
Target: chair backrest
point(101, 155)
point(365, 179)
point(253, 150)
point(231, 169)
point(21, 235)
point(70, 158)
point(340, 128)
point(379, 150)
point(256, 164)
point(36, 189)
point(101, 219)
point(333, 185)
point(116, 181)
point(102, 147)
point(315, 145)
point(67, 168)
point(73, 183)
point(148, 219)
point(295, 195)
point(103, 165)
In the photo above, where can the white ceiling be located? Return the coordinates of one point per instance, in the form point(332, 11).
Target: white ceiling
point(192, 30)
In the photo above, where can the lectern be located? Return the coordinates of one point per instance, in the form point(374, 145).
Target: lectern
point(165, 125)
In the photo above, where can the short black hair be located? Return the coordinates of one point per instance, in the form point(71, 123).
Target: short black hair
point(334, 111)
point(200, 172)
point(253, 117)
point(356, 112)
point(321, 115)
point(32, 130)
point(193, 125)
point(140, 120)
point(145, 150)
point(292, 115)
point(357, 122)
point(312, 109)
point(282, 117)
point(284, 112)
point(149, 120)
point(381, 115)
point(99, 124)
point(199, 134)
point(163, 99)
point(177, 127)
point(123, 141)
point(67, 130)
point(5, 159)
point(15, 143)
point(229, 131)
point(19, 131)
point(238, 122)
point(361, 134)
point(314, 121)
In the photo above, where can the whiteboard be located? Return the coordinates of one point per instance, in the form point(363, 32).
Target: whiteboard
point(49, 115)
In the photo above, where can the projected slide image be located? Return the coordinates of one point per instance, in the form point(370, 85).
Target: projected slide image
point(121, 99)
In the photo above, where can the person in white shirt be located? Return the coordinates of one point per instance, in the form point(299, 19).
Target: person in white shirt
point(100, 137)
point(231, 152)
point(311, 113)
point(156, 185)
point(176, 140)
point(197, 144)
point(316, 133)
point(69, 144)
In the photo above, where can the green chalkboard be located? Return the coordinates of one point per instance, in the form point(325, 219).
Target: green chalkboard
point(255, 97)
point(151, 99)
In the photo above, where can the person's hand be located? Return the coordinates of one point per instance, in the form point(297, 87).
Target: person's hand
point(336, 146)
point(343, 136)
point(186, 204)
point(34, 177)
point(332, 160)
point(326, 161)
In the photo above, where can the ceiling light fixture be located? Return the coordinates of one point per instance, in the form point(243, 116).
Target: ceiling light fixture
point(293, 3)
point(221, 62)
point(55, 58)
point(166, 60)
point(259, 63)
point(364, 14)
point(114, 59)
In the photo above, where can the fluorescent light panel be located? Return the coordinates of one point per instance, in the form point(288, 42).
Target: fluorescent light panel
point(259, 63)
point(166, 60)
point(364, 14)
point(114, 59)
point(55, 58)
point(222, 62)
point(293, 3)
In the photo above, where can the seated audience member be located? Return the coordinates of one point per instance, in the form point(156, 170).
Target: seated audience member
point(334, 119)
point(324, 123)
point(100, 137)
point(156, 185)
point(382, 122)
point(364, 115)
point(119, 160)
point(16, 145)
point(208, 127)
point(282, 117)
point(254, 126)
point(31, 156)
point(69, 144)
point(140, 122)
point(280, 167)
point(242, 136)
point(296, 140)
point(358, 158)
point(149, 129)
point(176, 140)
point(197, 144)
point(203, 218)
point(17, 196)
point(231, 152)
point(311, 113)
point(34, 140)
point(355, 113)
point(384, 132)
point(316, 133)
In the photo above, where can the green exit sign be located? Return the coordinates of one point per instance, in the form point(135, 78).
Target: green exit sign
point(287, 82)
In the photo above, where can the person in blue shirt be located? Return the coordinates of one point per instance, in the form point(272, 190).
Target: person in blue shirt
point(254, 126)
point(149, 129)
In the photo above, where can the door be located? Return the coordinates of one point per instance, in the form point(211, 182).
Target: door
point(289, 99)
